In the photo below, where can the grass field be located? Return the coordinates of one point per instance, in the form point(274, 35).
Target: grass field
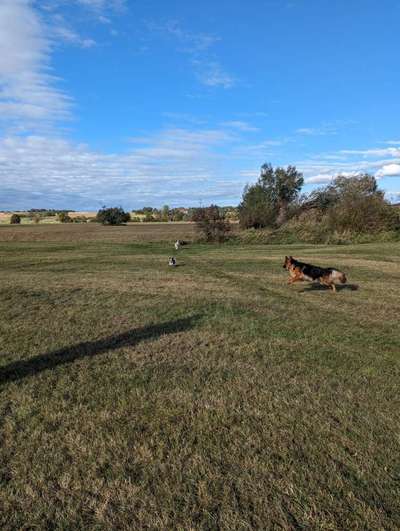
point(210, 396)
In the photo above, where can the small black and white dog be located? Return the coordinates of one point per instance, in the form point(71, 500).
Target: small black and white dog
point(171, 261)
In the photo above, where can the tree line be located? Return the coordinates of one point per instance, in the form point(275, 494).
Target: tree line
point(343, 209)
point(347, 205)
point(346, 209)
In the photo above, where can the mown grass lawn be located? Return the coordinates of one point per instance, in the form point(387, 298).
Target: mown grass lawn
point(210, 396)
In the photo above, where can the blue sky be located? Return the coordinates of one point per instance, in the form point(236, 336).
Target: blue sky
point(121, 102)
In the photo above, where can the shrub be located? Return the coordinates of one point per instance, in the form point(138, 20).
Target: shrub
point(362, 214)
point(15, 219)
point(64, 218)
point(148, 218)
point(177, 215)
point(350, 209)
point(112, 216)
point(211, 224)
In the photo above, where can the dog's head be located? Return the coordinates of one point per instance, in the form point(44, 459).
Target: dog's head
point(287, 264)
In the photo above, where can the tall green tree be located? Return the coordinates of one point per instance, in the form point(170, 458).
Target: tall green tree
point(165, 213)
point(267, 202)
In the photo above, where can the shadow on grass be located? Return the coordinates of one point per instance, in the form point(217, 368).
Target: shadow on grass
point(18, 370)
point(340, 287)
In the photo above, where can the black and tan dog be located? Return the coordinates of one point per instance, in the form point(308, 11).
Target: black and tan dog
point(327, 276)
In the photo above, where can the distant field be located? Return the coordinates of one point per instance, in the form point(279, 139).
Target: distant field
point(72, 232)
point(210, 396)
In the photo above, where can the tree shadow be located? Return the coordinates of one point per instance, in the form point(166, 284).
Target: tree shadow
point(18, 370)
point(320, 287)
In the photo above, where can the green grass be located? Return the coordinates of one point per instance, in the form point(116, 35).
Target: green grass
point(210, 396)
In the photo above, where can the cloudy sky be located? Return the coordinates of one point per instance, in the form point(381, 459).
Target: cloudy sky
point(134, 103)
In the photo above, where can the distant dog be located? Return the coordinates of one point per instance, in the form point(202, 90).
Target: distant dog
point(171, 261)
point(180, 243)
point(327, 276)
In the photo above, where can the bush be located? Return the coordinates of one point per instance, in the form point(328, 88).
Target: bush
point(362, 214)
point(211, 224)
point(349, 210)
point(64, 218)
point(112, 216)
point(148, 218)
point(177, 215)
point(15, 219)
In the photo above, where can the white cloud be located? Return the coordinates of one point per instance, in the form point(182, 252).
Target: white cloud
point(28, 91)
point(193, 43)
point(241, 126)
point(379, 152)
point(323, 169)
point(250, 174)
point(179, 166)
point(94, 4)
point(317, 131)
point(305, 131)
point(392, 142)
point(389, 170)
point(182, 117)
point(259, 152)
point(199, 48)
point(176, 165)
point(327, 178)
point(211, 74)
point(70, 36)
point(393, 196)
point(319, 179)
point(101, 5)
point(104, 20)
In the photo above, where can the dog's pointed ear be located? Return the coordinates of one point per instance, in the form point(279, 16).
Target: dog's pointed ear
point(290, 257)
point(286, 258)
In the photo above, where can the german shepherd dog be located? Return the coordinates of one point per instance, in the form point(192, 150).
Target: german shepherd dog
point(299, 271)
